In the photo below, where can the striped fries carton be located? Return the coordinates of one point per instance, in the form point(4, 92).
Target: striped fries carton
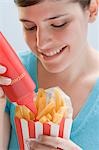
point(29, 129)
point(59, 125)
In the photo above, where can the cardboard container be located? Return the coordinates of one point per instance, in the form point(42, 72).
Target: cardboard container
point(30, 129)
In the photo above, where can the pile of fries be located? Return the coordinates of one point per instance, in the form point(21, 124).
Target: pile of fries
point(52, 106)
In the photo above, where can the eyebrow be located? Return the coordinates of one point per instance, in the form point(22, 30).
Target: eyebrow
point(25, 20)
point(55, 17)
point(51, 18)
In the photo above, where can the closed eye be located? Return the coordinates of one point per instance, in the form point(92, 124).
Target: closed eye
point(59, 26)
point(30, 29)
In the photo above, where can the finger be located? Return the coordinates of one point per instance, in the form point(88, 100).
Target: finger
point(2, 103)
point(5, 80)
point(1, 92)
point(58, 142)
point(2, 69)
point(33, 145)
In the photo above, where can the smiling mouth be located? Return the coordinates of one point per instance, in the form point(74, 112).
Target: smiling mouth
point(54, 53)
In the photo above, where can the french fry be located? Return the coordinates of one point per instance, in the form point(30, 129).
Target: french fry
point(57, 118)
point(53, 113)
point(26, 113)
point(18, 112)
point(32, 116)
point(44, 119)
point(47, 109)
point(49, 116)
point(59, 115)
point(42, 104)
point(63, 111)
point(41, 100)
point(58, 99)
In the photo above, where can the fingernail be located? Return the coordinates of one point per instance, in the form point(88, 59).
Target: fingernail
point(2, 69)
point(39, 137)
point(7, 81)
point(27, 144)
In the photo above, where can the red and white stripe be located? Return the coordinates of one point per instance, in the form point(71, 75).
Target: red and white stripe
point(29, 129)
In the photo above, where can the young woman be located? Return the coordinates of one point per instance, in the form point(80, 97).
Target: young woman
point(56, 32)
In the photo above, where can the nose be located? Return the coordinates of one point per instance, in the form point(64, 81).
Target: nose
point(44, 39)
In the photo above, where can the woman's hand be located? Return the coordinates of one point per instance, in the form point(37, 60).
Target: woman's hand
point(51, 143)
point(3, 81)
point(4, 118)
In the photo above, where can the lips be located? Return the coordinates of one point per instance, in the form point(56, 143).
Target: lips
point(53, 53)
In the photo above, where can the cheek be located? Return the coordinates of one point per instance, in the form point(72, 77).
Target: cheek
point(66, 36)
point(31, 41)
point(74, 37)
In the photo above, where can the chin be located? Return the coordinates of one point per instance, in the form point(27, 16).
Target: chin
point(54, 69)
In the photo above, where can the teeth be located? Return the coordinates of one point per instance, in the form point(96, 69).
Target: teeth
point(58, 51)
point(52, 53)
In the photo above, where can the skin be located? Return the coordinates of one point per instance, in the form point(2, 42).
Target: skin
point(77, 65)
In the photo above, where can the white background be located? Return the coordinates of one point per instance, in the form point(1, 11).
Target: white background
point(12, 29)
point(10, 25)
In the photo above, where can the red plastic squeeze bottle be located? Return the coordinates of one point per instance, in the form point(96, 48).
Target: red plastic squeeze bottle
point(22, 87)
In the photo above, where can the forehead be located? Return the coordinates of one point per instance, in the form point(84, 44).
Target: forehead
point(48, 8)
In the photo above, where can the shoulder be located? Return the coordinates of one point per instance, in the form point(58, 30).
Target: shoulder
point(26, 56)
point(28, 59)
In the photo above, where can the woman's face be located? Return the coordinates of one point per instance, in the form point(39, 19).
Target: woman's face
point(56, 32)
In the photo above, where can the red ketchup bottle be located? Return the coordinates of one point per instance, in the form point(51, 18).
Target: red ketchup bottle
point(22, 87)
